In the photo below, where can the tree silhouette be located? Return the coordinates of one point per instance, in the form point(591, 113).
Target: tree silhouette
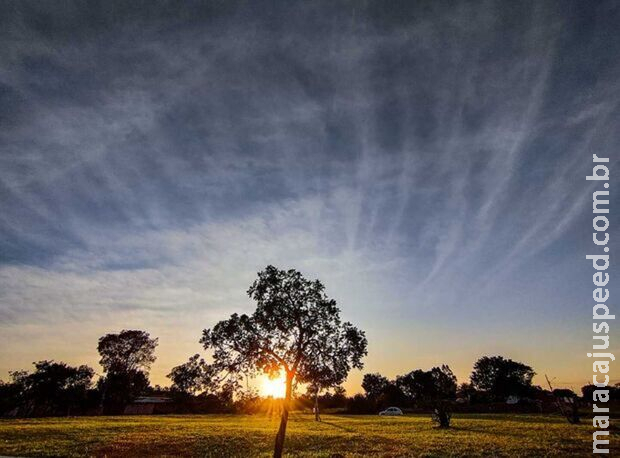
point(295, 329)
point(328, 361)
point(502, 377)
point(126, 358)
point(193, 376)
point(54, 388)
point(324, 376)
point(434, 388)
point(374, 385)
point(381, 392)
point(612, 391)
point(126, 351)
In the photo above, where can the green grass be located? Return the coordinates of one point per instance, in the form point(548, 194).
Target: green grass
point(253, 435)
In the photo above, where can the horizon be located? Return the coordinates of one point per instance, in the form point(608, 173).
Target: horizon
point(427, 163)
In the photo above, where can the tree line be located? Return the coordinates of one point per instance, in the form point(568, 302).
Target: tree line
point(58, 389)
point(296, 331)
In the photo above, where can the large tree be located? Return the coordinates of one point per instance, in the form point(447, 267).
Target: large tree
point(502, 377)
point(296, 330)
point(126, 358)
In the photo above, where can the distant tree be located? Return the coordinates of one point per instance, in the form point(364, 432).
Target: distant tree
point(192, 376)
point(339, 391)
point(437, 383)
point(54, 388)
point(334, 397)
point(248, 401)
point(126, 358)
point(587, 391)
point(466, 391)
point(295, 329)
point(382, 392)
point(564, 393)
point(392, 396)
point(566, 401)
point(325, 371)
point(374, 385)
point(415, 385)
point(612, 391)
point(315, 387)
point(10, 397)
point(435, 388)
point(120, 388)
point(338, 397)
point(126, 351)
point(360, 404)
point(226, 394)
point(502, 377)
point(18, 378)
point(445, 382)
point(331, 397)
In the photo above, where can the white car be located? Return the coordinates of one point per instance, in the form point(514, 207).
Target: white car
point(391, 411)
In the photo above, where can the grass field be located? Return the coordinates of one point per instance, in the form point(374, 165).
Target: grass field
point(253, 435)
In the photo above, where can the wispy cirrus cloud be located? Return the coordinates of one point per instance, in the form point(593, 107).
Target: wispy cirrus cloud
point(416, 158)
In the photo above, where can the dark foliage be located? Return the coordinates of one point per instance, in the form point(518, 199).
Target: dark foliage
point(10, 397)
point(126, 358)
point(502, 377)
point(334, 398)
point(435, 389)
point(129, 350)
point(118, 389)
point(375, 385)
point(564, 393)
point(423, 386)
point(53, 389)
point(381, 392)
point(360, 405)
point(193, 376)
point(612, 391)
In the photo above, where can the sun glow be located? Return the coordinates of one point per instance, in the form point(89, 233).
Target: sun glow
point(275, 388)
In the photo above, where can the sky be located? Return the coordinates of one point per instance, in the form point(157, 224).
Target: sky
point(425, 160)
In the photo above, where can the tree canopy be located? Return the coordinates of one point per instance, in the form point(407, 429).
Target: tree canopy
point(439, 383)
point(502, 377)
point(126, 358)
point(192, 376)
point(295, 329)
point(129, 350)
point(374, 385)
point(53, 388)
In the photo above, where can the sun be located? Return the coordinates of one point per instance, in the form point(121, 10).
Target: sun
point(275, 388)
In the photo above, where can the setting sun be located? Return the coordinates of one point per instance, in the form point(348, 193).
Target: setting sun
point(275, 388)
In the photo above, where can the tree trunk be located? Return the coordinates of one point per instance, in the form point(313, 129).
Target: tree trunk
point(317, 415)
point(442, 415)
point(103, 395)
point(279, 446)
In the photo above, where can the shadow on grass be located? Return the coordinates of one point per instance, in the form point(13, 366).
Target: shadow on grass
point(311, 420)
point(482, 430)
point(334, 425)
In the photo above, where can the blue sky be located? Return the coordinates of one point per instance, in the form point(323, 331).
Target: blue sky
point(425, 160)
